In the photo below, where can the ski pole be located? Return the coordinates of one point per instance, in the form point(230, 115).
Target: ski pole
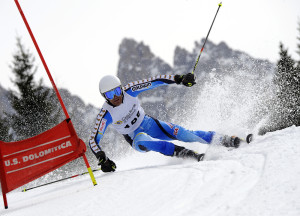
point(74, 176)
point(220, 4)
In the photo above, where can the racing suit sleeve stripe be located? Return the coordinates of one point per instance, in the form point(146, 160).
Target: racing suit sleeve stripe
point(135, 88)
point(102, 121)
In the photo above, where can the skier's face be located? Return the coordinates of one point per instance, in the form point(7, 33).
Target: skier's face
point(117, 100)
point(114, 96)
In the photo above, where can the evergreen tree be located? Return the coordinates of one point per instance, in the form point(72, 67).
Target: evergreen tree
point(4, 130)
point(297, 77)
point(35, 105)
point(287, 82)
point(298, 45)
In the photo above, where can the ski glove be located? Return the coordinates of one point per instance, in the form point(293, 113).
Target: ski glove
point(187, 80)
point(106, 164)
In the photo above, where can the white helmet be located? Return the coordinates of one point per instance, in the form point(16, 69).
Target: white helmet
point(108, 82)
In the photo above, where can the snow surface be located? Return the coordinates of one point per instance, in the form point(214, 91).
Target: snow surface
point(262, 178)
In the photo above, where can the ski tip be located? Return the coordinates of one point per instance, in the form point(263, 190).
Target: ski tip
point(249, 138)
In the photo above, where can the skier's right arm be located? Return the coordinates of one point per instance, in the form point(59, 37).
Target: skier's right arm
point(102, 121)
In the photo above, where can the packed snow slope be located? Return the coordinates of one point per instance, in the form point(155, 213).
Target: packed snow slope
point(262, 178)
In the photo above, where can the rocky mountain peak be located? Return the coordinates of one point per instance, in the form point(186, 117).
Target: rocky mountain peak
point(219, 56)
point(138, 62)
point(130, 47)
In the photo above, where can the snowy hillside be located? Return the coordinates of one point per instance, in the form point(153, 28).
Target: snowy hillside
point(262, 178)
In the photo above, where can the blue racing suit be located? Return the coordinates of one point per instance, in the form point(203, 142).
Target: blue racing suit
point(144, 133)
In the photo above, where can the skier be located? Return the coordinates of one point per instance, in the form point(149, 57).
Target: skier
point(143, 132)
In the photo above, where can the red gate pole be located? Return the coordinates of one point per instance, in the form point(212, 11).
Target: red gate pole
point(54, 86)
point(52, 81)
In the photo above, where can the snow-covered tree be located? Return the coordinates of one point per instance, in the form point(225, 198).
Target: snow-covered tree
point(298, 45)
point(4, 130)
point(285, 109)
point(34, 104)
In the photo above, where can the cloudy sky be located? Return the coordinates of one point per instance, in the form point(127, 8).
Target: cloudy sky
point(80, 38)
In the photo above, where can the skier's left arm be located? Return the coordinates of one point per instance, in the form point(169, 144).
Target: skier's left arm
point(135, 88)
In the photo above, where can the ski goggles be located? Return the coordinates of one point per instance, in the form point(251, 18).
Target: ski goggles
point(110, 94)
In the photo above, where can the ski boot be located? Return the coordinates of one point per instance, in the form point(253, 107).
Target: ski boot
point(232, 141)
point(182, 152)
